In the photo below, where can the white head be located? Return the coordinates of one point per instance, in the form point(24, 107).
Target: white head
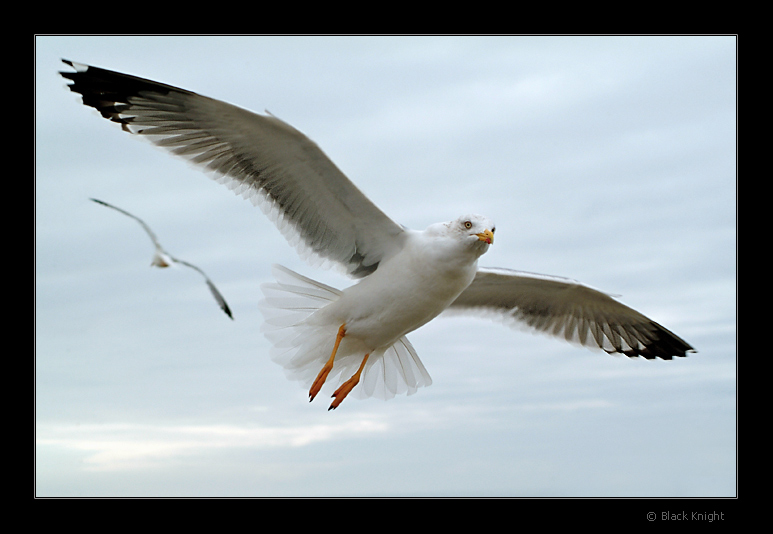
point(474, 230)
point(475, 227)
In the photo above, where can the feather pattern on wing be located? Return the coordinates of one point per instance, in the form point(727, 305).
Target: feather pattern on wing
point(566, 308)
point(260, 157)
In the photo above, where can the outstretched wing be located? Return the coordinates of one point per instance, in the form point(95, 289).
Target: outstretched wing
point(569, 309)
point(210, 284)
point(260, 157)
point(142, 223)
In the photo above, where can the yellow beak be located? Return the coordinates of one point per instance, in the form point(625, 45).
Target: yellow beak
point(487, 236)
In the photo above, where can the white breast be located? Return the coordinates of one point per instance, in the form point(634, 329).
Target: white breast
point(405, 292)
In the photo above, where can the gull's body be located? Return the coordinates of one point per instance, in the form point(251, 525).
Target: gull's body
point(399, 298)
point(406, 277)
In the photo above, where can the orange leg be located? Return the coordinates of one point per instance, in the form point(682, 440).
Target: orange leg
point(347, 386)
point(322, 376)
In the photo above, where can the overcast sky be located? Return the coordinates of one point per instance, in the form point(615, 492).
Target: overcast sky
point(610, 160)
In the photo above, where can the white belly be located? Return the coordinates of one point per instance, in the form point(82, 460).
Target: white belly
point(402, 295)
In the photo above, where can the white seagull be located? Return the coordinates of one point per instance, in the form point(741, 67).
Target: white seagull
point(161, 258)
point(406, 277)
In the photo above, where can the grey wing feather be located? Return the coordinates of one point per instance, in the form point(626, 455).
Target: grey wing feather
point(568, 309)
point(259, 157)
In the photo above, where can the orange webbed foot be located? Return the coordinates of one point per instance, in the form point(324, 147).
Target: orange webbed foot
point(322, 376)
point(341, 393)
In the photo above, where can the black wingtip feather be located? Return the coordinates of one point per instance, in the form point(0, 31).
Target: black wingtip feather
point(665, 346)
point(108, 91)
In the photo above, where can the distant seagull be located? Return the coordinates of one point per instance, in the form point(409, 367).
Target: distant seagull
point(407, 277)
point(161, 258)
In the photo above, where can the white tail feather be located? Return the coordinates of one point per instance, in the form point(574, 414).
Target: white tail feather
point(302, 347)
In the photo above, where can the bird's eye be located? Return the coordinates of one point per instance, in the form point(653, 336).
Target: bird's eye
point(468, 225)
point(493, 230)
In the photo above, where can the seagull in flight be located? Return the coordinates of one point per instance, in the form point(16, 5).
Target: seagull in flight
point(356, 338)
point(161, 258)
